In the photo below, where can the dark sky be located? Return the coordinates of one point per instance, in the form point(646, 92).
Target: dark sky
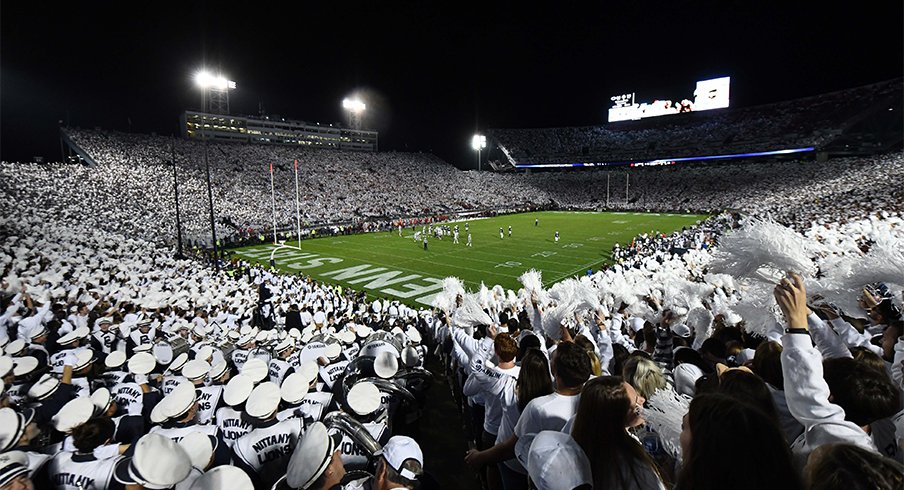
point(431, 71)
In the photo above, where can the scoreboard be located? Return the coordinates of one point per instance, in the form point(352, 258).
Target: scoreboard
point(708, 94)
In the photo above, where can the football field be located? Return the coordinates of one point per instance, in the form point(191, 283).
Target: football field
point(386, 265)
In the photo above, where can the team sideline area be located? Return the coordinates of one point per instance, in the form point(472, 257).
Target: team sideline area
point(395, 264)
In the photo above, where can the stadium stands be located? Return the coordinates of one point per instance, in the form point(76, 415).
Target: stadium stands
point(809, 122)
point(117, 357)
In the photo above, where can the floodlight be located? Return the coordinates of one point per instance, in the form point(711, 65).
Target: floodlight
point(207, 80)
point(353, 105)
point(479, 142)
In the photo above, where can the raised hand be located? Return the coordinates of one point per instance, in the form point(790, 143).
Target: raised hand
point(791, 296)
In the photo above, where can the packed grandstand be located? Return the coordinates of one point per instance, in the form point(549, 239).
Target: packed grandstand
point(774, 340)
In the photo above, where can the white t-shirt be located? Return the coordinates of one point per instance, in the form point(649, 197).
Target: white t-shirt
point(550, 412)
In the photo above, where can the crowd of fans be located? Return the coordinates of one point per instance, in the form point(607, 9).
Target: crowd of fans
point(839, 190)
point(799, 123)
point(130, 190)
point(762, 348)
point(126, 368)
point(123, 366)
point(663, 378)
point(334, 187)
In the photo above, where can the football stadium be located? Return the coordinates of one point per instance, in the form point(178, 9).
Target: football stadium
point(412, 245)
point(377, 263)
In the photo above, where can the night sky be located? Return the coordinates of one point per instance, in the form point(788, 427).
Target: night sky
point(430, 72)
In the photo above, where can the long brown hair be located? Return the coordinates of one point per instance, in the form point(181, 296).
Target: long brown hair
point(732, 441)
point(599, 428)
point(534, 380)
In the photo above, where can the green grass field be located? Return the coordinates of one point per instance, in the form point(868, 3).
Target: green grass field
point(386, 265)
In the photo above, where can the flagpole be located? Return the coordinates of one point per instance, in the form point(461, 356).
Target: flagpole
point(607, 190)
point(273, 201)
point(297, 209)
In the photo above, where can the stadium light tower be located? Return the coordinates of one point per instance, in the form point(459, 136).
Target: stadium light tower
point(216, 91)
point(478, 142)
point(355, 109)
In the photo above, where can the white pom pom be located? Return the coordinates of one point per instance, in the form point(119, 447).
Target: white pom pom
point(532, 281)
point(764, 244)
point(665, 412)
point(470, 314)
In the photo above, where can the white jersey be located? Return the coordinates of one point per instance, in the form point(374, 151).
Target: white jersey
point(239, 356)
point(351, 351)
point(113, 378)
point(278, 370)
point(105, 339)
point(353, 455)
point(231, 424)
point(139, 338)
point(177, 433)
point(269, 447)
point(36, 461)
point(70, 471)
point(57, 360)
point(330, 373)
point(208, 401)
point(313, 406)
point(170, 382)
point(81, 386)
point(550, 412)
point(129, 397)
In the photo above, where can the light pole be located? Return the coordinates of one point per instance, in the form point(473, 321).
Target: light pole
point(478, 142)
point(176, 192)
point(214, 90)
point(355, 108)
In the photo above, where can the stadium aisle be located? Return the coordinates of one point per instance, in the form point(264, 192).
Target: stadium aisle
point(442, 437)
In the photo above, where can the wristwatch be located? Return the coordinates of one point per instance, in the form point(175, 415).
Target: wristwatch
point(797, 330)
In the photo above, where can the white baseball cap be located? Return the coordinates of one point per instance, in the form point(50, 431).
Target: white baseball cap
point(333, 350)
point(205, 353)
point(179, 401)
point(102, 399)
point(45, 387)
point(555, 461)
point(217, 370)
point(12, 464)
point(399, 449)
point(15, 347)
point(256, 369)
point(83, 357)
point(293, 388)
point(178, 362)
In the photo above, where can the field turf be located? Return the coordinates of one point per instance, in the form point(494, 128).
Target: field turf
point(386, 265)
